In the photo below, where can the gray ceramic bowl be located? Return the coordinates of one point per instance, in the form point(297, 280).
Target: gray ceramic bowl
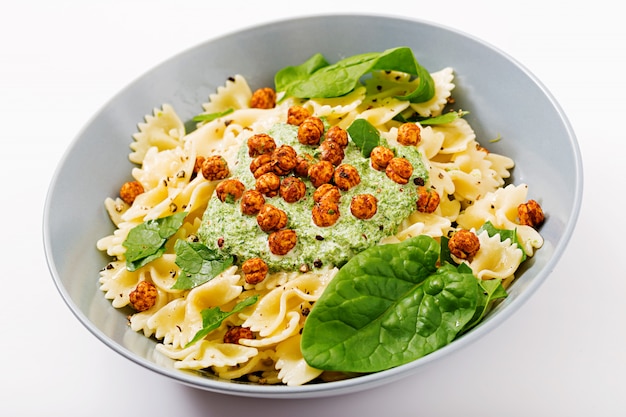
point(503, 99)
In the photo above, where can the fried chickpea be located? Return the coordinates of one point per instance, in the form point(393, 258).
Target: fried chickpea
point(215, 168)
point(260, 165)
point(530, 214)
point(284, 160)
point(230, 190)
point(363, 206)
point(260, 144)
point(197, 165)
point(427, 199)
point(143, 297)
point(409, 134)
point(346, 176)
point(337, 135)
point(236, 333)
point(282, 241)
point(271, 219)
point(464, 244)
point(321, 173)
point(292, 189)
point(325, 213)
point(327, 192)
point(399, 170)
point(251, 202)
point(268, 184)
point(255, 270)
point(311, 131)
point(303, 162)
point(332, 152)
point(263, 98)
point(380, 157)
point(130, 190)
point(296, 115)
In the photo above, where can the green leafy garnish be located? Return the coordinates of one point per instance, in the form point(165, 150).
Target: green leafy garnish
point(146, 242)
point(387, 306)
point(504, 235)
point(208, 117)
point(212, 318)
point(315, 78)
point(442, 119)
point(364, 135)
point(198, 264)
point(489, 290)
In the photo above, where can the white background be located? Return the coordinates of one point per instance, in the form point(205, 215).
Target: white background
point(562, 354)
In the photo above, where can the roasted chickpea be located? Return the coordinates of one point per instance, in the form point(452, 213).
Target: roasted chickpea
point(236, 333)
point(409, 134)
point(321, 173)
point(251, 202)
point(292, 189)
point(296, 115)
point(363, 206)
point(464, 244)
point(282, 241)
point(303, 162)
point(215, 168)
point(284, 160)
point(260, 144)
point(263, 98)
point(130, 190)
point(427, 199)
point(399, 170)
point(530, 214)
point(255, 270)
point(337, 135)
point(328, 192)
point(229, 190)
point(380, 157)
point(271, 219)
point(260, 165)
point(346, 176)
point(325, 213)
point(310, 131)
point(197, 165)
point(268, 184)
point(143, 297)
point(332, 152)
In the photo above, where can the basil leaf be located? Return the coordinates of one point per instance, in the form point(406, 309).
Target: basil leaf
point(387, 306)
point(317, 79)
point(364, 135)
point(212, 318)
point(145, 242)
point(198, 264)
point(504, 235)
point(207, 117)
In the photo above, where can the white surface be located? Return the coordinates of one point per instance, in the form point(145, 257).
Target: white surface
point(563, 353)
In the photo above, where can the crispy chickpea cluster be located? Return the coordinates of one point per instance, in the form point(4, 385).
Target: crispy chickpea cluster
point(255, 270)
point(130, 190)
point(292, 189)
point(260, 144)
point(230, 190)
point(236, 333)
point(310, 131)
point(346, 176)
point(464, 244)
point(271, 218)
point(427, 199)
point(380, 157)
point(399, 170)
point(263, 98)
point(215, 168)
point(251, 202)
point(409, 134)
point(321, 172)
point(530, 214)
point(282, 241)
point(143, 297)
point(363, 206)
point(296, 115)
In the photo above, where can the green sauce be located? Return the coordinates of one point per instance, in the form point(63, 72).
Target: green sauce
point(239, 234)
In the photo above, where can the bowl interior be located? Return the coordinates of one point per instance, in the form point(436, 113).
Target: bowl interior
point(504, 100)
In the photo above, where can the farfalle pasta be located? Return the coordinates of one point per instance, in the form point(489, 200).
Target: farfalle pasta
point(468, 180)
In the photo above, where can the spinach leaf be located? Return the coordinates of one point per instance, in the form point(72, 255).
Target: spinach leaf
point(387, 306)
point(364, 135)
point(146, 241)
point(207, 117)
point(504, 235)
point(316, 78)
point(212, 318)
point(198, 264)
point(489, 290)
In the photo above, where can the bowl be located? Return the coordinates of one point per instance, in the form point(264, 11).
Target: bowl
point(503, 99)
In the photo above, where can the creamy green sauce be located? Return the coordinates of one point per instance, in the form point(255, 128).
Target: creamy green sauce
point(240, 235)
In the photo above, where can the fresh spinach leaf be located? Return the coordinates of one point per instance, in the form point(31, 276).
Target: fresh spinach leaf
point(207, 117)
point(488, 290)
point(317, 79)
point(364, 135)
point(198, 264)
point(387, 306)
point(212, 318)
point(504, 235)
point(445, 118)
point(146, 241)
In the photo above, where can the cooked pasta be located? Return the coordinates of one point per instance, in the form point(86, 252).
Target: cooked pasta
point(469, 180)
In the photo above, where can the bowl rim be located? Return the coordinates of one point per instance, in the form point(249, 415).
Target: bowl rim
point(366, 381)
